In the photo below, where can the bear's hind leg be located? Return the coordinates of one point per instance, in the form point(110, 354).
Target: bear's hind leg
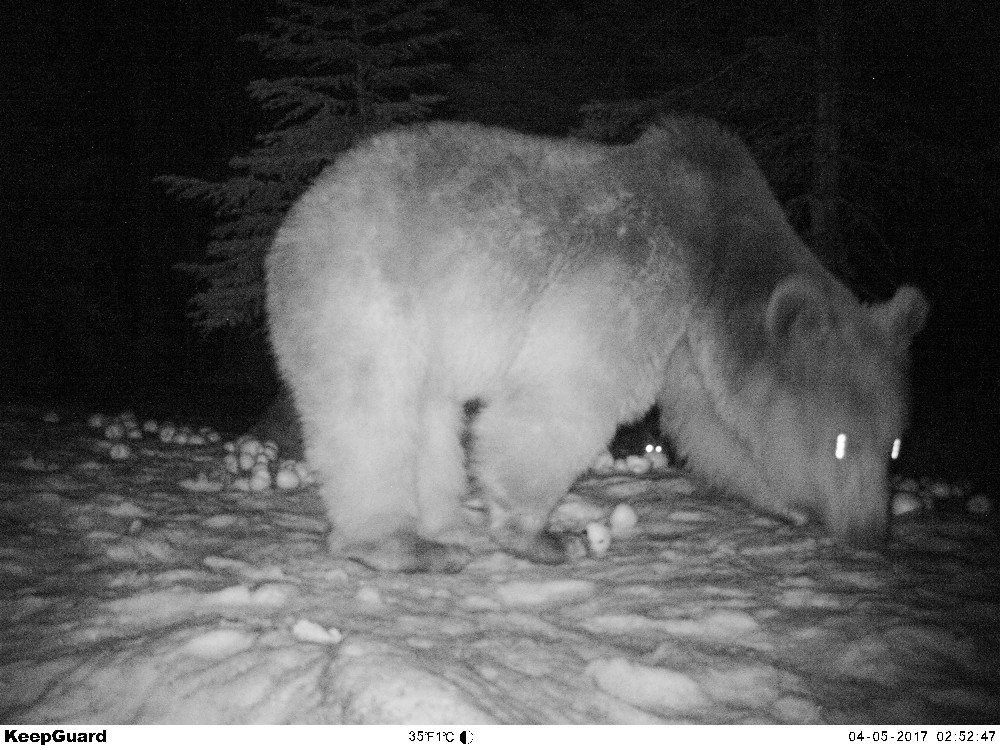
point(529, 449)
point(365, 441)
point(442, 480)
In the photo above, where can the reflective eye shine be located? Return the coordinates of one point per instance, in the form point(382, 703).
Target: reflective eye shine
point(654, 448)
point(841, 449)
point(897, 444)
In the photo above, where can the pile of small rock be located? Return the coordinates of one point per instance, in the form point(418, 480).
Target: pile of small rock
point(254, 466)
point(926, 495)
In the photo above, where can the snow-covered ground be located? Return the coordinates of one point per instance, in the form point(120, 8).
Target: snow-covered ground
point(132, 594)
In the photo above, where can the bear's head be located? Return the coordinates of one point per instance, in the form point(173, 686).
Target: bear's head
point(832, 400)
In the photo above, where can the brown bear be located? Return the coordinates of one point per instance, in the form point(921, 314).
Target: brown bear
point(531, 294)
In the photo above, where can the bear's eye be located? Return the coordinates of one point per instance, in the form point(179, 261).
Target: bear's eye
point(897, 445)
point(650, 448)
point(841, 450)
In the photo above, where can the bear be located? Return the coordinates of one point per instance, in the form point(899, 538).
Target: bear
point(640, 439)
point(492, 305)
point(279, 423)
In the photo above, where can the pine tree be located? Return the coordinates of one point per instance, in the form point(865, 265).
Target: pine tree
point(348, 69)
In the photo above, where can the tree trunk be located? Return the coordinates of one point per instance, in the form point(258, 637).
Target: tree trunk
point(824, 219)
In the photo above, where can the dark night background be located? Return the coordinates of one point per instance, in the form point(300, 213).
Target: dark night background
point(101, 97)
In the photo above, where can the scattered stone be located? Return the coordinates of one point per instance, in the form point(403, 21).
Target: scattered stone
point(623, 521)
point(598, 538)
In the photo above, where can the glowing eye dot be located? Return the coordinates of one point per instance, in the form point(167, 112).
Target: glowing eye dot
point(650, 448)
point(841, 450)
point(896, 445)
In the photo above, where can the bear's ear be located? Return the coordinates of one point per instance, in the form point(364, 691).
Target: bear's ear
point(904, 316)
point(798, 308)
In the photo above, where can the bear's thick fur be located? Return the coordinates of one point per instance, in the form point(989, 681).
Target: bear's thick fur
point(564, 287)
